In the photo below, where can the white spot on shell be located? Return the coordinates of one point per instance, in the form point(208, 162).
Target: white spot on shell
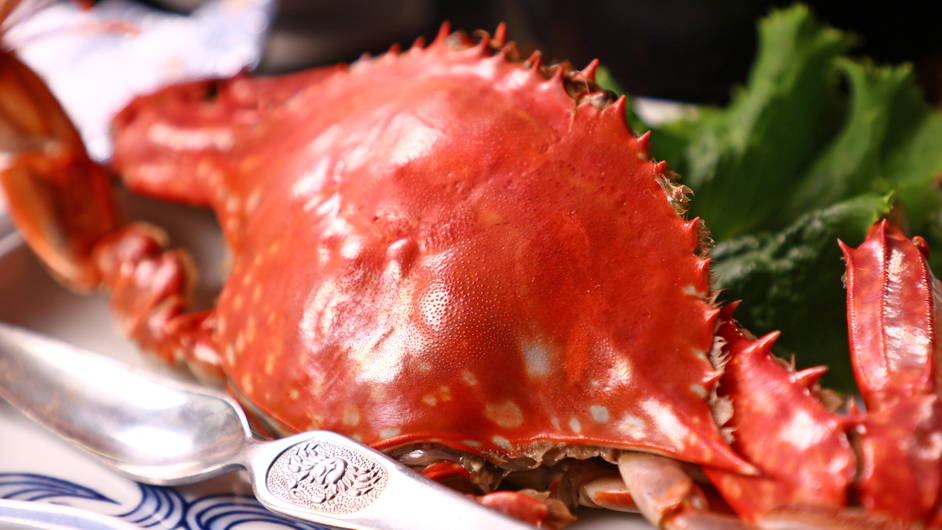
point(250, 330)
point(356, 438)
point(434, 307)
point(633, 426)
point(536, 358)
point(469, 377)
point(230, 355)
point(187, 140)
point(575, 425)
point(599, 413)
point(252, 202)
point(700, 353)
point(698, 389)
point(690, 290)
point(324, 208)
point(444, 393)
point(472, 443)
point(389, 433)
point(293, 394)
point(667, 423)
point(378, 393)
point(506, 414)
point(429, 400)
point(622, 370)
point(247, 387)
point(799, 419)
point(351, 416)
point(352, 248)
point(419, 139)
point(555, 423)
point(312, 181)
point(502, 442)
point(232, 204)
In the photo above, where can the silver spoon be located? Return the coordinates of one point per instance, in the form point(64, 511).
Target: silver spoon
point(165, 432)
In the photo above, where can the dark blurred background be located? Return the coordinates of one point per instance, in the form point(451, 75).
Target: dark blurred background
point(687, 50)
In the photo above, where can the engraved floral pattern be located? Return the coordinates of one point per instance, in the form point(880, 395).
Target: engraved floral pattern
point(328, 476)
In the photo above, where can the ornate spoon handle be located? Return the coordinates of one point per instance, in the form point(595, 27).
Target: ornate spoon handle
point(327, 478)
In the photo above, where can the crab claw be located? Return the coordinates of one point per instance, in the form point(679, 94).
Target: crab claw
point(60, 199)
point(782, 427)
point(900, 476)
point(894, 307)
point(62, 203)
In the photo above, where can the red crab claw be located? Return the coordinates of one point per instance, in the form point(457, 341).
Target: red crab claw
point(894, 308)
point(60, 200)
point(808, 468)
point(783, 428)
point(62, 203)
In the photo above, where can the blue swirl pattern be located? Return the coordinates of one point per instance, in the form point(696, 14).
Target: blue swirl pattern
point(159, 508)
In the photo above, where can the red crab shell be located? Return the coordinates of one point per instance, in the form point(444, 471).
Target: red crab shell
point(445, 246)
point(453, 247)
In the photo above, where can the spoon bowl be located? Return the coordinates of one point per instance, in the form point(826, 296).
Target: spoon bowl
point(149, 427)
point(162, 431)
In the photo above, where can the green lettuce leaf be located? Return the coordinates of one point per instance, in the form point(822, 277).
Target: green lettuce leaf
point(816, 146)
point(791, 281)
point(891, 140)
point(741, 160)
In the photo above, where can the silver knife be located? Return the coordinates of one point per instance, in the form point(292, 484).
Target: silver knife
point(161, 431)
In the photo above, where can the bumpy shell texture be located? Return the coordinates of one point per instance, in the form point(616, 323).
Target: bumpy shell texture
point(445, 246)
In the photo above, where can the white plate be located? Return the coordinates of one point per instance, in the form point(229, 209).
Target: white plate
point(37, 466)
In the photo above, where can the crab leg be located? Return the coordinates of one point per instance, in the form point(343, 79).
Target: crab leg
point(606, 490)
point(530, 507)
point(62, 203)
point(781, 424)
point(150, 290)
point(782, 427)
point(667, 495)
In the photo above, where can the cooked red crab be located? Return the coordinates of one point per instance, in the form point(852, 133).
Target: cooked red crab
point(450, 254)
